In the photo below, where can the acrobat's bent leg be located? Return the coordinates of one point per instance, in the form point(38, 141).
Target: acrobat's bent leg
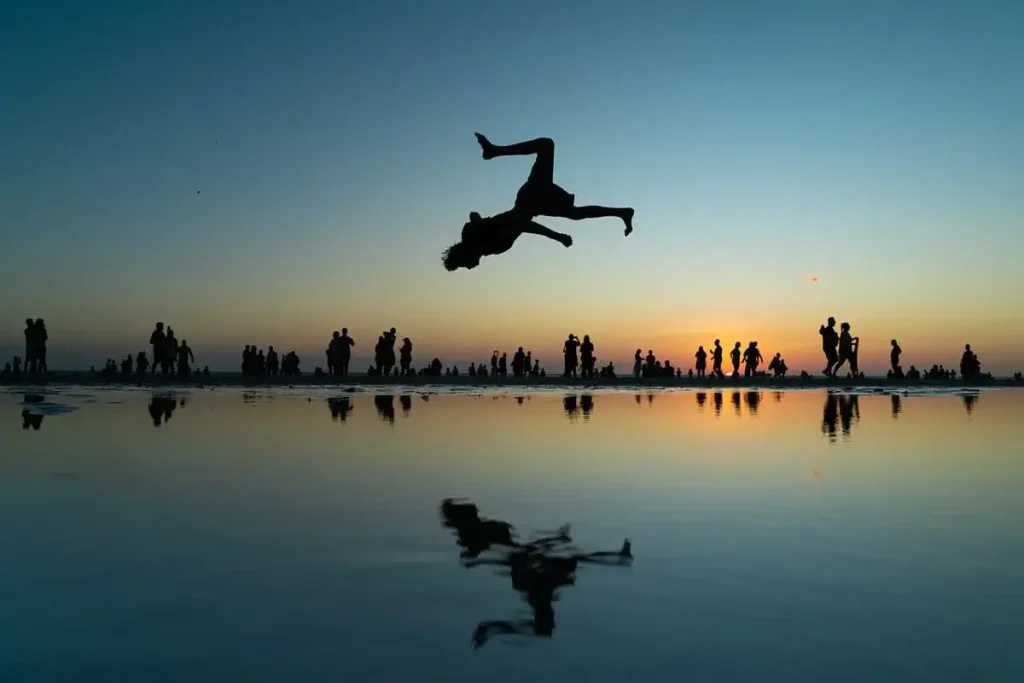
point(536, 146)
point(543, 170)
point(579, 213)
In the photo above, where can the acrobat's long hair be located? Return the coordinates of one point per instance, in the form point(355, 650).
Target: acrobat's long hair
point(459, 255)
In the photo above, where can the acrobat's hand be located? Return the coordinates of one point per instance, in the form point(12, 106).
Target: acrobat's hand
point(565, 240)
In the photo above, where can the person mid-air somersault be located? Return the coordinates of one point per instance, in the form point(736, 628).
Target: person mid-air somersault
point(539, 196)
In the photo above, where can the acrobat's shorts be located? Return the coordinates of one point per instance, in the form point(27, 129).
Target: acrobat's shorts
point(544, 199)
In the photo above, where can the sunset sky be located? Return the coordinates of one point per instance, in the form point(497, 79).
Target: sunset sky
point(256, 172)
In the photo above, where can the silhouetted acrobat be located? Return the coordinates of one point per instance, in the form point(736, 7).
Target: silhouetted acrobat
point(539, 196)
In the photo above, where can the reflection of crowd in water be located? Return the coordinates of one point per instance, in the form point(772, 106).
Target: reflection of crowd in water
point(161, 408)
point(576, 406)
point(538, 568)
point(839, 413)
point(839, 409)
point(340, 407)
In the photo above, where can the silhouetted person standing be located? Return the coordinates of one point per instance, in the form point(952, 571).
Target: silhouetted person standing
point(539, 196)
point(751, 359)
point(405, 356)
point(846, 349)
point(273, 362)
point(333, 353)
point(156, 341)
point(569, 350)
point(519, 363)
point(829, 342)
point(734, 356)
point(379, 354)
point(30, 346)
point(141, 364)
point(185, 359)
point(170, 352)
point(40, 339)
point(894, 357)
point(638, 364)
point(702, 361)
point(587, 357)
point(345, 352)
point(716, 359)
point(969, 364)
point(390, 337)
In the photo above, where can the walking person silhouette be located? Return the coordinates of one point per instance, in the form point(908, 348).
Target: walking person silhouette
point(539, 196)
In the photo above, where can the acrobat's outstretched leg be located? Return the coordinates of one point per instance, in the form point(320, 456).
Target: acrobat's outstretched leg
point(579, 213)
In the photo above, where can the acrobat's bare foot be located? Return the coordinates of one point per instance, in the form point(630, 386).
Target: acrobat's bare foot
point(486, 145)
point(627, 218)
point(566, 240)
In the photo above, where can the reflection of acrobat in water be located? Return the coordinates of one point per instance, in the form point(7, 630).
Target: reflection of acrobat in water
point(538, 568)
point(539, 196)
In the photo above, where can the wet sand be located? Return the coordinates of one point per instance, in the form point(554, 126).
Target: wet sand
point(237, 379)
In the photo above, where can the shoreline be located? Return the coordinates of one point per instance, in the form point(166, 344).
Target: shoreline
point(237, 379)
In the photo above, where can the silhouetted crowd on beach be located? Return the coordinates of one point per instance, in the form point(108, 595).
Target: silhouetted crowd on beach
point(173, 358)
point(751, 359)
point(523, 365)
point(169, 356)
point(256, 363)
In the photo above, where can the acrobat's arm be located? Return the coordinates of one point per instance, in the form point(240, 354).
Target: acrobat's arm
point(535, 228)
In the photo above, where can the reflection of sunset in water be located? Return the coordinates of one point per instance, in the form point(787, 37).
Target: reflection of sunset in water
point(324, 505)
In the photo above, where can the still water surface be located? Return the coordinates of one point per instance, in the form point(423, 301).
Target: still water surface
point(241, 536)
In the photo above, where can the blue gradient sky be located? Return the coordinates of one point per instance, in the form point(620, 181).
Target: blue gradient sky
point(877, 145)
